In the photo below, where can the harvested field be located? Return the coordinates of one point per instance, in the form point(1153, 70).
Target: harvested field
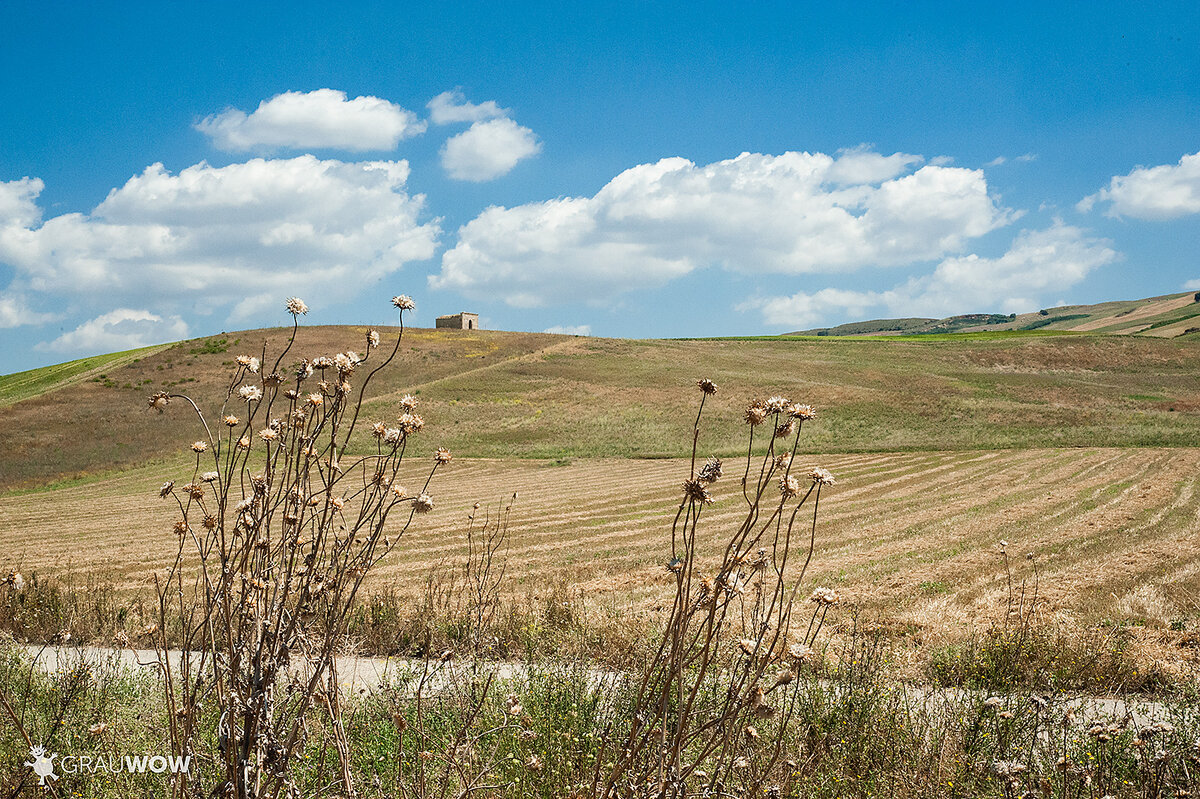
point(913, 534)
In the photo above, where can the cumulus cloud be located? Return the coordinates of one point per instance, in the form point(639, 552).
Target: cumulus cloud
point(450, 107)
point(211, 236)
point(1037, 262)
point(1156, 192)
point(487, 150)
point(1192, 285)
point(122, 329)
point(794, 213)
point(570, 330)
point(15, 312)
point(324, 118)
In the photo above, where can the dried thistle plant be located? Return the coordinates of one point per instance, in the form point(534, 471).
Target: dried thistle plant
point(713, 704)
point(277, 528)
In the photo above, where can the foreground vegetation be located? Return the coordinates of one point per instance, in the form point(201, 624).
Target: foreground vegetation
point(854, 732)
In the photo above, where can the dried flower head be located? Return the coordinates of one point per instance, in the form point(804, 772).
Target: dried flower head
point(267, 434)
point(372, 339)
point(166, 489)
point(696, 491)
point(16, 580)
point(789, 486)
point(404, 302)
point(423, 503)
point(755, 414)
point(159, 401)
point(209, 477)
point(250, 393)
point(199, 446)
point(711, 471)
point(231, 421)
point(408, 403)
point(824, 596)
point(777, 404)
point(273, 380)
point(707, 386)
point(97, 729)
point(442, 455)
point(296, 306)
point(802, 412)
point(801, 653)
point(322, 362)
point(786, 429)
point(411, 423)
point(315, 400)
point(821, 476)
point(243, 443)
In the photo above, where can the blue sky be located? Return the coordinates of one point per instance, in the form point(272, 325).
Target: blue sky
point(171, 170)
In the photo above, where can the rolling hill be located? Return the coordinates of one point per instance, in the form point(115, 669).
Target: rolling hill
point(539, 396)
point(1167, 316)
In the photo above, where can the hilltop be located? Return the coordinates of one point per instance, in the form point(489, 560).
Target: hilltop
point(1166, 316)
point(541, 396)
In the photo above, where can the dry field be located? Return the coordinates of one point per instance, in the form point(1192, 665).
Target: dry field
point(912, 535)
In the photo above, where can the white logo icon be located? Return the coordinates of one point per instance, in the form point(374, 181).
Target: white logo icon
point(42, 765)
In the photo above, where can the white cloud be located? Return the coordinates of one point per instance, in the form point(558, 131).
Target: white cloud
point(1192, 285)
point(213, 236)
point(450, 107)
point(1156, 192)
point(15, 312)
point(324, 118)
point(570, 330)
point(1037, 262)
point(487, 150)
point(997, 161)
point(789, 213)
point(861, 165)
point(122, 329)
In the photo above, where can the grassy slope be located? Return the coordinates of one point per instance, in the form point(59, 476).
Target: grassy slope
point(1167, 316)
point(496, 394)
point(32, 383)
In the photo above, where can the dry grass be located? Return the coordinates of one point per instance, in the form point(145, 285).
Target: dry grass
point(910, 535)
point(505, 395)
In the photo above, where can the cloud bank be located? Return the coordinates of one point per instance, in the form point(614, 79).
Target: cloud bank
point(795, 213)
point(242, 235)
point(1157, 192)
point(122, 329)
point(1036, 263)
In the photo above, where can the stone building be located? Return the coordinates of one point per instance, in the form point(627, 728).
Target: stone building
point(459, 321)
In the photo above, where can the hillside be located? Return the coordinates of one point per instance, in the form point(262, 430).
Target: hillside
point(1167, 316)
point(539, 396)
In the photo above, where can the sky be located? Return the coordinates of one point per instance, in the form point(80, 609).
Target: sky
point(627, 169)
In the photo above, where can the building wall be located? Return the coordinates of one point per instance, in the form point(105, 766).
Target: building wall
point(459, 321)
